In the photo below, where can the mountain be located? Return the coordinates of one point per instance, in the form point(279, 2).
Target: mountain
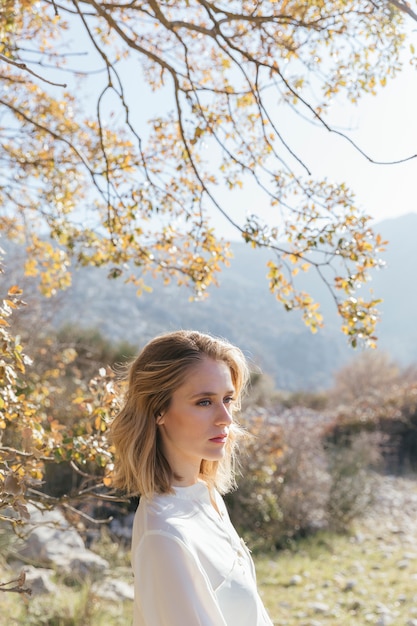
point(397, 285)
point(242, 310)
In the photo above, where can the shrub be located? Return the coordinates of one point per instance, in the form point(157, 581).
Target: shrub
point(282, 491)
point(392, 414)
point(254, 507)
point(367, 377)
point(295, 482)
point(351, 482)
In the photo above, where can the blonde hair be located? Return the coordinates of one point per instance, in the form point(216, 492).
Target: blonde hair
point(160, 369)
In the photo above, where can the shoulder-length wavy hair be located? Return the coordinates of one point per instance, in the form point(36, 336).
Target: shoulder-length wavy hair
point(160, 369)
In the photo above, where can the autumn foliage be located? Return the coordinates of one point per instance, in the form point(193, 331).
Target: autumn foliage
point(87, 176)
point(49, 415)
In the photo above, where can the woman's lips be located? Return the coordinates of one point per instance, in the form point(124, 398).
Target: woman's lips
point(220, 439)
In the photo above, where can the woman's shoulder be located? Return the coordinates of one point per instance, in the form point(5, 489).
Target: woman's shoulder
point(164, 514)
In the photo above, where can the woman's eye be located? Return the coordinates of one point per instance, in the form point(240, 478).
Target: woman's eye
point(228, 400)
point(204, 403)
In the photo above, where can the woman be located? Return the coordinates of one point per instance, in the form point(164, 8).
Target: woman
point(175, 441)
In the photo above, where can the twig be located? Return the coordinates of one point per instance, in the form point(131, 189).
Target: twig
point(18, 588)
point(86, 516)
point(55, 7)
point(23, 66)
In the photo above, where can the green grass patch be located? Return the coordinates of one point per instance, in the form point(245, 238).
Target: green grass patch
point(345, 580)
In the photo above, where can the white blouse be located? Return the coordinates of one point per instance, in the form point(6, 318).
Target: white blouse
point(190, 566)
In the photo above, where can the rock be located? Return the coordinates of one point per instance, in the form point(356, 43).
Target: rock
point(49, 534)
point(52, 541)
point(349, 585)
point(355, 606)
point(80, 565)
point(284, 604)
point(295, 580)
point(39, 580)
point(122, 527)
point(111, 589)
point(384, 620)
point(382, 609)
point(369, 617)
point(319, 607)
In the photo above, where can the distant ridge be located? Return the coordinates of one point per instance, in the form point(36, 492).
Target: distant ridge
point(243, 311)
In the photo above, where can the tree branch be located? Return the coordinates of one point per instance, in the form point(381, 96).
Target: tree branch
point(24, 67)
point(19, 587)
point(404, 7)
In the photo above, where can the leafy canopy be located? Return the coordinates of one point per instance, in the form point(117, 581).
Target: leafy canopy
point(85, 175)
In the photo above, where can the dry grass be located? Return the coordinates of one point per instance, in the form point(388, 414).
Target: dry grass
point(339, 580)
point(69, 607)
point(367, 578)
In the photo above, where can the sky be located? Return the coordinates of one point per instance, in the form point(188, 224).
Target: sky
point(384, 126)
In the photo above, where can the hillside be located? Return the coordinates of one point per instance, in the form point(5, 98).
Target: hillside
point(243, 310)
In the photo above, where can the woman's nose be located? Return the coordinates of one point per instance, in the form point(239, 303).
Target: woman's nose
point(223, 415)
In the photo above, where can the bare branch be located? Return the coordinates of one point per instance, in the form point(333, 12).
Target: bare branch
point(404, 7)
point(18, 585)
point(23, 66)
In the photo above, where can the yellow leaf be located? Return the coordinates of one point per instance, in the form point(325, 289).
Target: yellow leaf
point(10, 304)
point(31, 268)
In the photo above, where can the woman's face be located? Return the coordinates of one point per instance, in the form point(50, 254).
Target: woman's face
point(197, 422)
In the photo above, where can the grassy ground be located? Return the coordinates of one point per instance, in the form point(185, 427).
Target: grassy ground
point(369, 577)
point(366, 578)
point(71, 607)
point(340, 581)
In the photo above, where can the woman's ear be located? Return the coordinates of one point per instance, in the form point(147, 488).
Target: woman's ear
point(160, 419)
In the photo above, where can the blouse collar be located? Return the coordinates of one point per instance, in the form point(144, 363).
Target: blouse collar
point(198, 490)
